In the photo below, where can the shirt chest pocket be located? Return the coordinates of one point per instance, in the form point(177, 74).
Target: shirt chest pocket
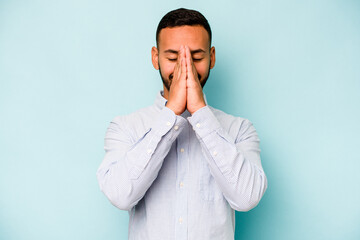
point(209, 189)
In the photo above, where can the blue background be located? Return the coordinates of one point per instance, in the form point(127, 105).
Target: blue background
point(68, 67)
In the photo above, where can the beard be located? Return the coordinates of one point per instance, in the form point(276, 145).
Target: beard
point(167, 81)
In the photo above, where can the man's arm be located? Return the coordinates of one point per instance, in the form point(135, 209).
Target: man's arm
point(130, 166)
point(234, 163)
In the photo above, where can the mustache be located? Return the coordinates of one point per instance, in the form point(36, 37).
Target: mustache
point(171, 76)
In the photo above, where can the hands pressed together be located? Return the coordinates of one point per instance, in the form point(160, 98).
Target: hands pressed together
point(185, 89)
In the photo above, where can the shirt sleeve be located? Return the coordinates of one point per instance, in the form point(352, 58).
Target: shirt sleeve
point(130, 167)
point(234, 163)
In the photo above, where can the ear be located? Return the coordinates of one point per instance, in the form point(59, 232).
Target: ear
point(155, 57)
point(212, 57)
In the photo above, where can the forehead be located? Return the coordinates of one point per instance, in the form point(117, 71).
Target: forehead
point(193, 36)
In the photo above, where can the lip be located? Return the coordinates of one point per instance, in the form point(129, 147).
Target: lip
point(172, 75)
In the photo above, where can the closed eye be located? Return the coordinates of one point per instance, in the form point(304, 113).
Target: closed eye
point(194, 59)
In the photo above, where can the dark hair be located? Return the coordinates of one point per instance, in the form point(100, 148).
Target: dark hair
point(183, 17)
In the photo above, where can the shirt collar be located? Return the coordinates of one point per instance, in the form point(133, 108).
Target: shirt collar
point(160, 101)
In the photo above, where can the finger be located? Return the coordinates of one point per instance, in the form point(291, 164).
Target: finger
point(174, 74)
point(177, 68)
point(183, 69)
point(180, 55)
point(194, 69)
point(189, 67)
point(183, 52)
point(192, 66)
point(191, 63)
point(187, 53)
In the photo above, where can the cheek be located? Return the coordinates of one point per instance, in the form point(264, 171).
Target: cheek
point(202, 67)
point(167, 67)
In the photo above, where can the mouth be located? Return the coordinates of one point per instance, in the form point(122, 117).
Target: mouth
point(171, 76)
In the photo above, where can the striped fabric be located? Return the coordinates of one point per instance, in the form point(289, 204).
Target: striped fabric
point(181, 177)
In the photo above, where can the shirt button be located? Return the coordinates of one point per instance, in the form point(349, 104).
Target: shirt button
point(149, 150)
point(176, 127)
point(181, 184)
point(215, 153)
point(182, 150)
point(168, 123)
point(198, 125)
point(180, 220)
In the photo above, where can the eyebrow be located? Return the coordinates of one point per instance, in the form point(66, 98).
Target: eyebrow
point(192, 52)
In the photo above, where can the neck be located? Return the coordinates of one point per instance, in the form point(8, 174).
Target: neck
point(166, 93)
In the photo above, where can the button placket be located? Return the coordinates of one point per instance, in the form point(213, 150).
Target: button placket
point(181, 191)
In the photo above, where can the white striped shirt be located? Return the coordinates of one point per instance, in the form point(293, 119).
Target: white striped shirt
point(181, 177)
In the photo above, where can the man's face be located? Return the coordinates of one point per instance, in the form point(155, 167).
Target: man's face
point(170, 39)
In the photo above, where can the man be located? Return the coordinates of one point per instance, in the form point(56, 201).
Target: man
point(181, 167)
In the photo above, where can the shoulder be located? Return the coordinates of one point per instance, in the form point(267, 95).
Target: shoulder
point(136, 123)
point(228, 119)
point(135, 118)
point(237, 127)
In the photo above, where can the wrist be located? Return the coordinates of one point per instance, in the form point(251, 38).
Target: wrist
point(172, 108)
point(198, 107)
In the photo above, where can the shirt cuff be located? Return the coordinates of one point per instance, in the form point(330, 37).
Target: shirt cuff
point(167, 120)
point(204, 122)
